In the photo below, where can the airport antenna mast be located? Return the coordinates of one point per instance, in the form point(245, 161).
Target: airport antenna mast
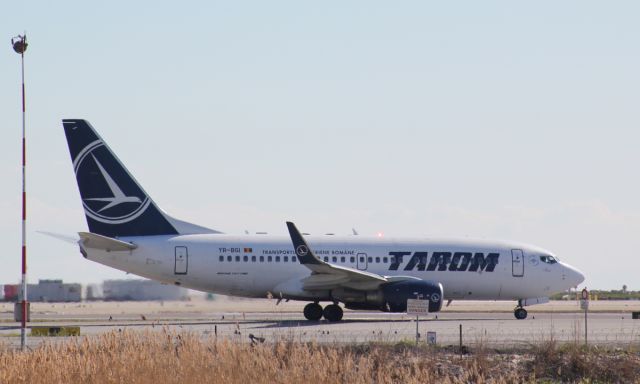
point(19, 44)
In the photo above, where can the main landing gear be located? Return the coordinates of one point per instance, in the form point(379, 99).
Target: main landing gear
point(314, 311)
point(520, 313)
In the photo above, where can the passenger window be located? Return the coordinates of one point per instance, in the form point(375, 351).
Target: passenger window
point(221, 258)
point(352, 259)
point(377, 259)
point(229, 258)
point(277, 259)
point(286, 259)
point(262, 259)
point(370, 259)
point(269, 259)
point(245, 258)
point(293, 258)
point(253, 259)
point(238, 259)
point(334, 259)
point(326, 259)
point(342, 259)
point(385, 260)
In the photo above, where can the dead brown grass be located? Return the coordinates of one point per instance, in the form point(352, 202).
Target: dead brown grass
point(167, 357)
point(574, 362)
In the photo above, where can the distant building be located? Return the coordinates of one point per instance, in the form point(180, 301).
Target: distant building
point(45, 291)
point(142, 290)
point(115, 290)
point(93, 292)
point(10, 292)
point(54, 290)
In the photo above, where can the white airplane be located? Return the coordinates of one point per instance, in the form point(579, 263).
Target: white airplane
point(129, 232)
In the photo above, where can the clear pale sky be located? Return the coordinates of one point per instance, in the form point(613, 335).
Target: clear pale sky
point(507, 120)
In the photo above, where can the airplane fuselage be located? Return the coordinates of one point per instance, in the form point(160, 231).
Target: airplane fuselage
point(256, 265)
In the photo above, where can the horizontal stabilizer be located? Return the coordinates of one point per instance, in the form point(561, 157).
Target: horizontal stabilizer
point(95, 241)
point(65, 238)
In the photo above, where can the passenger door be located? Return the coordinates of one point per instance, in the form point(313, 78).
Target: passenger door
point(182, 261)
point(517, 262)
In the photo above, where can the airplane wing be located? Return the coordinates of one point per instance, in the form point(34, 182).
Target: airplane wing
point(328, 276)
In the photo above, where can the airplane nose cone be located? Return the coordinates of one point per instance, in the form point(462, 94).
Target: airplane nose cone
point(574, 276)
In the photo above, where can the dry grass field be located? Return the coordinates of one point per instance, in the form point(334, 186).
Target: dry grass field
point(168, 357)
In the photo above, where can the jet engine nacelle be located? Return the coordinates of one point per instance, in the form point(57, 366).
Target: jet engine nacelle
point(392, 296)
point(396, 294)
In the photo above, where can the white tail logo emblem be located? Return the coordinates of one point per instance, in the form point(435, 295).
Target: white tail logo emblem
point(118, 196)
point(102, 208)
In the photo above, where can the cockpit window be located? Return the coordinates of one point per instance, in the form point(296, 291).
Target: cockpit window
point(548, 259)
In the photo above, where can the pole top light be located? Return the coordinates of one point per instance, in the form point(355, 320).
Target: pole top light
point(19, 43)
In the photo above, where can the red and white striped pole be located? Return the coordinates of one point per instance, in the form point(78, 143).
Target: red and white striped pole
point(20, 45)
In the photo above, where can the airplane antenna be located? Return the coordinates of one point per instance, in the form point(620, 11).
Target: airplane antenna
point(19, 44)
point(355, 233)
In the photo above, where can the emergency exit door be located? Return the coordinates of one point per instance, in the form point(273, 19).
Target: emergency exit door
point(182, 261)
point(517, 262)
point(361, 261)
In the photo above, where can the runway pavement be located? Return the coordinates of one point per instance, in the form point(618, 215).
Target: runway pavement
point(488, 323)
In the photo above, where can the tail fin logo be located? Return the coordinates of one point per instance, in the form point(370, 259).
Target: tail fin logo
point(114, 198)
point(302, 250)
point(118, 196)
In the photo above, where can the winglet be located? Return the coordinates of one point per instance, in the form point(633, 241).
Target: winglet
point(304, 253)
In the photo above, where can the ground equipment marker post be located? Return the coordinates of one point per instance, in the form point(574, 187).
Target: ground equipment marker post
point(460, 339)
point(417, 332)
point(417, 307)
point(584, 304)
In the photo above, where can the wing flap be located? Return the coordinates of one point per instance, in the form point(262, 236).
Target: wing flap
point(323, 281)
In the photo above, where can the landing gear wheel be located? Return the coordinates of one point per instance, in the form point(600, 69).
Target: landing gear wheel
point(313, 311)
point(520, 313)
point(332, 313)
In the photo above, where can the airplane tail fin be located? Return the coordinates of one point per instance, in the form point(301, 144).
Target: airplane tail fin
point(114, 203)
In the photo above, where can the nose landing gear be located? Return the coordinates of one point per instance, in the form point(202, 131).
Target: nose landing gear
point(520, 313)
